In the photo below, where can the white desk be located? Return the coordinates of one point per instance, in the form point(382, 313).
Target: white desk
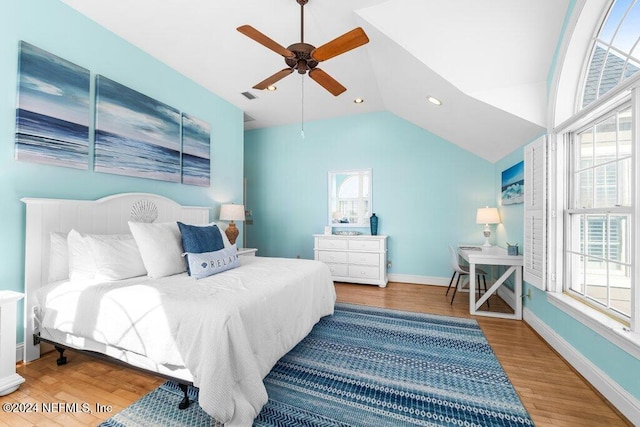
point(494, 255)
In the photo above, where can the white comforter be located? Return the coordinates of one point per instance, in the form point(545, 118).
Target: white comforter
point(229, 329)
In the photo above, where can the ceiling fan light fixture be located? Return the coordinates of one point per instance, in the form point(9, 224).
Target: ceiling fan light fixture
point(358, 101)
point(434, 100)
point(272, 88)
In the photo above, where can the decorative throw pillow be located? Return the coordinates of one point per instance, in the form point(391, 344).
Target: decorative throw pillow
point(116, 257)
point(209, 263)
point(160, 247)
point(197, 239)
point(58, 256)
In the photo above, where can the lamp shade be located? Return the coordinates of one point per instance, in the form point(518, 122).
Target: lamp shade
point(487, 216)
point(232, 212)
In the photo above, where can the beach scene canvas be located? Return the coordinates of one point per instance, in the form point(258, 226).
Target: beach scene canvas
point(196, 153)
point(52, 113)
point(135, 135)
point(513, 184)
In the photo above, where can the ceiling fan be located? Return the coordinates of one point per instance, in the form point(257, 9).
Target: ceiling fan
point(304, 57)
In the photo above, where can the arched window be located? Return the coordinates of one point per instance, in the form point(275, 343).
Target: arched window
point(594, 173)
point(616, 52)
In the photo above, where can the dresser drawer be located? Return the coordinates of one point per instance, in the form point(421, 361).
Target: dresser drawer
point(328, 243)
point(364, 272)
point(338, 269)
point(364, 245)
point(332, 256)
point(364, 258)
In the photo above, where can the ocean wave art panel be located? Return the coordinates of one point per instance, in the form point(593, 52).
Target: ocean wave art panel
point(52, 114)
point(135, 135)
point(513, 184)
point(196, 151)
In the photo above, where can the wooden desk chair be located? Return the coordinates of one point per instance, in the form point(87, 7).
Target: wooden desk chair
point(464, 271)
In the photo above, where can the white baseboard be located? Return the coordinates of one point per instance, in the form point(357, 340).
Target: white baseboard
point(420, 280)
point(508, 296)
point(626, 403)
point(19, 352)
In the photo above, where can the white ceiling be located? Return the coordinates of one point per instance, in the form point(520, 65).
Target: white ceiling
point(487, 61)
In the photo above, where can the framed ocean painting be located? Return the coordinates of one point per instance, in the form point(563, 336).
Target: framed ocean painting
point(52, 113)
point(135, 135)
point(196, 153)
point(513, 184)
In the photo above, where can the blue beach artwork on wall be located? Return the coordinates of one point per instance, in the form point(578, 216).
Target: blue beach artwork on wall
point(52, 114)
point(513, 184)
point(196, 153)
point(135, 135)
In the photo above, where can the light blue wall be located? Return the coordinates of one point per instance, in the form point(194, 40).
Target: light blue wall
point(425, 189)
point(54, 27)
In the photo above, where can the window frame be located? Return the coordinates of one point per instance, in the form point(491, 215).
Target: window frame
point(570, 148)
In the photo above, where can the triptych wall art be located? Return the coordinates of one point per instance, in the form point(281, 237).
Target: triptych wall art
point(135, 135)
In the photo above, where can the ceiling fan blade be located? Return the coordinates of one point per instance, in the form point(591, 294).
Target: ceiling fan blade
point(351, 40)
point(274, 78)
point(326, 81)
point(256, 35)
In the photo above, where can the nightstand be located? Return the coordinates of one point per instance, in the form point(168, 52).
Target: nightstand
point(9, 380)
point(247, 252)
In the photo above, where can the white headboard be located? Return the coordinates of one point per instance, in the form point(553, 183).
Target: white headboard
point(109, 215)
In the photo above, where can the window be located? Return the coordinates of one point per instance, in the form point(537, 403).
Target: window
point(592, 215)
point(599, 214)
point(616, 52)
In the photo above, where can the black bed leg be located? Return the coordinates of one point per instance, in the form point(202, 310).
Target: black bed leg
point(185, 400)
point(62, 360)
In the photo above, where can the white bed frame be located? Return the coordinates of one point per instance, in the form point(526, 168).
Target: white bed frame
point(109, 215)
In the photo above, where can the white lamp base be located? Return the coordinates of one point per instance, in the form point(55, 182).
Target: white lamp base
point(487, 234)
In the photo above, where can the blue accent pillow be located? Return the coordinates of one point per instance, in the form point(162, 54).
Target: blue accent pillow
point(197, 239)
point(209, 263)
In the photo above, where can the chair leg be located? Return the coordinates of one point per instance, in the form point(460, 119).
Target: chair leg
point(455, 289)
point(450, 282)
point(484, 279)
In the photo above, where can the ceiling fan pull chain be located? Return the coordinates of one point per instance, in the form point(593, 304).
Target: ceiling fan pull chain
point(302, 107)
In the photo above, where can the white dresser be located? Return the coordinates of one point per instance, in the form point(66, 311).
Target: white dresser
point(357, 259)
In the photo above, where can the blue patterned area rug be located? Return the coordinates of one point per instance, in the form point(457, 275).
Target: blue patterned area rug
point(367, 366)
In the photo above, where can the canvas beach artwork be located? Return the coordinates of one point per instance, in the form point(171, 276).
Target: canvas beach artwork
point(52, 113)
point(135, 135)
point(196, 153)
point(513, 184)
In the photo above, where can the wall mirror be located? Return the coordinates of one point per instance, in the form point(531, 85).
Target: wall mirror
point(350, 198)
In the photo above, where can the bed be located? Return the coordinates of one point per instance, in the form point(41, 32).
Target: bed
point(222, 333)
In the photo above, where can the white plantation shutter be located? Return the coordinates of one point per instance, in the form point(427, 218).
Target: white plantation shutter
point(535, 229)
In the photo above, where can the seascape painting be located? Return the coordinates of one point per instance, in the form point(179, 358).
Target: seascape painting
point(135, 135)
point(196, 157)
point(513, 184)
point(52, 114)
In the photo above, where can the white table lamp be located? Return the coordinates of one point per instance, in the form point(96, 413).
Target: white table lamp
point(487, 216)
point(232, 213)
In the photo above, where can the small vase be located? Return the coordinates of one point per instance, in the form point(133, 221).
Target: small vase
point(373, 222)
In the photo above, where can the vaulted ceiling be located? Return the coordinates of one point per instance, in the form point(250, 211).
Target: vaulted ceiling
point(488, 61)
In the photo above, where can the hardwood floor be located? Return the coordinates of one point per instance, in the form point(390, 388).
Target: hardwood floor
point(551, 391)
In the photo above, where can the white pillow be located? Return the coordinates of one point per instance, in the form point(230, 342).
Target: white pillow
point(81, 264)
point(58, 256)
point(161, 248)
point(116, 257)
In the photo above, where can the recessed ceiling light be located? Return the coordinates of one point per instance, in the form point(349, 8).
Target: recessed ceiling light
point(358, 100)
point(434, 101)
point(271, 88)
